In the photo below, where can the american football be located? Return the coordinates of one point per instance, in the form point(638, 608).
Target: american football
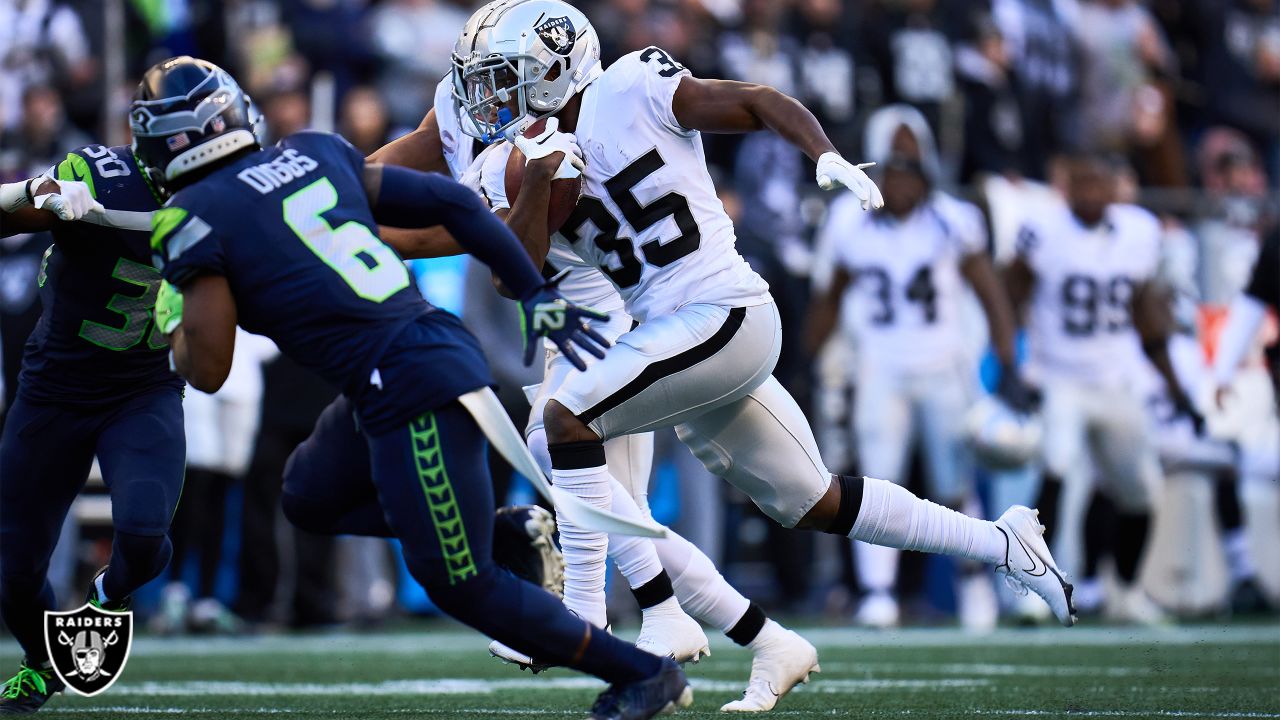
point(617, 359)
point(564, 191)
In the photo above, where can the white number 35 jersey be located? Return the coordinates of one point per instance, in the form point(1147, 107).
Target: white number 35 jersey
point(649, 216)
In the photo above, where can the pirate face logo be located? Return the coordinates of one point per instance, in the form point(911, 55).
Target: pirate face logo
point(88, 647)
point(557, 34)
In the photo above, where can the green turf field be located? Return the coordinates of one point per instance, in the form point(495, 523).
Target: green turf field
point(441, 672)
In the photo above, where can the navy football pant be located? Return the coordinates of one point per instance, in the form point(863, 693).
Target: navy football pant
point(45, 456)
point(430, 479)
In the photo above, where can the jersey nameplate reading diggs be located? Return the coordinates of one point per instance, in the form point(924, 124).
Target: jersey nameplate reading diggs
point(268, 177)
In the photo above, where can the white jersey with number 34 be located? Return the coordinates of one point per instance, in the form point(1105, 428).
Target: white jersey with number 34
point(649, 216)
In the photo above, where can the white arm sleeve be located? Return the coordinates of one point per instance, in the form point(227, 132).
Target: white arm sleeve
point(1243, 323)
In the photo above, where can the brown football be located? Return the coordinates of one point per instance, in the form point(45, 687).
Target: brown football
point(564, 192)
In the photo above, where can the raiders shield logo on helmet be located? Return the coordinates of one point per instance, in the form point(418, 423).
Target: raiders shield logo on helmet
point(557, 34)
point(88, 646)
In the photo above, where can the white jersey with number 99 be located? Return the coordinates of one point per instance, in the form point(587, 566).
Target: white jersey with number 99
point(1080, 323)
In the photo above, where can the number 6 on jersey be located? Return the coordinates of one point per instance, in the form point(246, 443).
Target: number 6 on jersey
point(372, 269)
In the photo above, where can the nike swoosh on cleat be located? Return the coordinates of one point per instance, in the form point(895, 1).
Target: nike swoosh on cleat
point(1031, 570)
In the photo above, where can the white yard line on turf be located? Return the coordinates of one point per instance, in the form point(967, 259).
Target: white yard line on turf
point(464, 686)
point(430, 641)
point(998, 670)
point(232, 712)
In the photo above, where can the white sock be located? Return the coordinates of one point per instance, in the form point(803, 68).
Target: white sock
point(584, 550)
point(97, 583)
point(702, 590)
point(537, 442)
point(635, 557)
point(892, 516)
point(877, 567)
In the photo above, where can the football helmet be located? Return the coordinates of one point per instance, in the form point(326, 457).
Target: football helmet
point(1001, 437)
point(519, 60)
point(186, 114)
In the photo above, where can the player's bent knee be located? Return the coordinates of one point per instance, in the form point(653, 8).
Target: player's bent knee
point(306, 514)
point(563, 426)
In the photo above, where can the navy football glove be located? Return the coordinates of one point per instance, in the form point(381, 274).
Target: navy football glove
point(1015, 393)
point(546, 314)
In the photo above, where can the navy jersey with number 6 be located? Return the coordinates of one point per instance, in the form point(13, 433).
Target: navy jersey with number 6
point(290, 229)
point(96, 343)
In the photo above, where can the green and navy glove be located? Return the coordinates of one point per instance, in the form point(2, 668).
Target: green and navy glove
point(168, 308)
point(546, 314)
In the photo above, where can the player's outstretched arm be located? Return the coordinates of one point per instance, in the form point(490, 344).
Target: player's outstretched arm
point(729, 106)
point(200, 322)
point(419, 150)
point(37, 204)
point(405, 198)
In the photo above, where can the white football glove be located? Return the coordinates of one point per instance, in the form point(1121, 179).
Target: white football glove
point(549, 141)
point(73, 201)
point(836, 172)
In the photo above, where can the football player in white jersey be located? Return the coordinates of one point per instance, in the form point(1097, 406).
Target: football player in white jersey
point(709, 335)
point(1086, 275)
point(903, 269)
point(781, 657)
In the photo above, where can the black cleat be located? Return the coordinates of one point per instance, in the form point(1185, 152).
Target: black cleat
point(1248, 598)
point(524, 543)
point(93, 598)
point(640, 700)
point(29, 690)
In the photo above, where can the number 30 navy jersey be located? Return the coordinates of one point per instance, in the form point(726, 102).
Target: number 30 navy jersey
point(96, 343)
point(290, 229)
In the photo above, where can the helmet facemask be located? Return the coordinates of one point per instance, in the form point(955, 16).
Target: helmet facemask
point(498, 92)
point(518, 61)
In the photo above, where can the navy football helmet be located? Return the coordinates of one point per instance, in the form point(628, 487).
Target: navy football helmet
point(187, 114)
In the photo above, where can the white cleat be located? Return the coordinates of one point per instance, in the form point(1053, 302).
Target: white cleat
point(667, 631)
point(1028, 565)
point(515, 657)
point(1030, 610)
point(879, 611)
point(1133, 606)
point(782, 660)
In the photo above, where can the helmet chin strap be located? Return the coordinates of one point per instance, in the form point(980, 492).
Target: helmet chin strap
point(504, 117)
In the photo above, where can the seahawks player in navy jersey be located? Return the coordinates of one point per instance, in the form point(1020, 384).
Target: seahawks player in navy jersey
point(283, 242)
point(95, 381)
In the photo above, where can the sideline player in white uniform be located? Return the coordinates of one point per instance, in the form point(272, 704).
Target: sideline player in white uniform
point(1086, 272)
point(781, 657)
point(903, 270)
point(709, 332)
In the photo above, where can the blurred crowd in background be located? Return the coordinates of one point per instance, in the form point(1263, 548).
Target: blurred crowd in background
point(1183, 94)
